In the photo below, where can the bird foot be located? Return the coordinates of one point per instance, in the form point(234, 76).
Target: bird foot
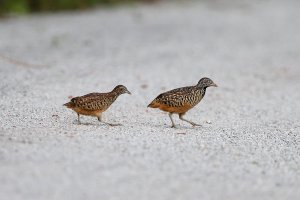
point(173, 126)
point(194, 124)
point(113, 124)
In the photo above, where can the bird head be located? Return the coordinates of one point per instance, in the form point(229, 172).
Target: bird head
point(206, 82)
point(121, 89)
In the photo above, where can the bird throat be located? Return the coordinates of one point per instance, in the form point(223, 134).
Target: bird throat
point(203, 91)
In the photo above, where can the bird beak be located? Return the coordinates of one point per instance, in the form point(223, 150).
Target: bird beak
point(214, 85)
point(128, 92)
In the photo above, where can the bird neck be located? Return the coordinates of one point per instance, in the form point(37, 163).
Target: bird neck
point(115, 93)
point(202, 90)
point(200, 85)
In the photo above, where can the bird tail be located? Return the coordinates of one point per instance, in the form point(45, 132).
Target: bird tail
point(153, 104)
point(69, 104)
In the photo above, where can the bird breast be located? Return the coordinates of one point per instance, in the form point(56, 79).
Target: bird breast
point(193, 98)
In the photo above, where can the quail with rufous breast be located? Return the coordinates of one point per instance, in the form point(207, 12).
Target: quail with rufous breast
point(180, 100)
point(94, 104)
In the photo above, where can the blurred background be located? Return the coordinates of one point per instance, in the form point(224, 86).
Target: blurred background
point(28, 6)
point(248, 147)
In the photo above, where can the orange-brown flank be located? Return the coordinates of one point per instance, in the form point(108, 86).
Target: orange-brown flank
point(166, 108)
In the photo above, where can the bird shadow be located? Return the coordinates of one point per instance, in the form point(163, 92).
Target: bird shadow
point(96, 124)
point(178, 127)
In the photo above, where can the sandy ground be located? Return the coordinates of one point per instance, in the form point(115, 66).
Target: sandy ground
point(249, 150)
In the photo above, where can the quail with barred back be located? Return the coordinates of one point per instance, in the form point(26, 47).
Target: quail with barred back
point(180, 100)
point(94, 104)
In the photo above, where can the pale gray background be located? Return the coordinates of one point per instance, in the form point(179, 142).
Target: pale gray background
point(250, 150)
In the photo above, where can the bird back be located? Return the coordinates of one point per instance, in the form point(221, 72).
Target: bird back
point(179, 97)
point(93, 101)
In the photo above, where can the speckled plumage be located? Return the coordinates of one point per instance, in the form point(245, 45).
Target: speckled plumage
point(94, 104)
point(95, 101)
point(181, 100)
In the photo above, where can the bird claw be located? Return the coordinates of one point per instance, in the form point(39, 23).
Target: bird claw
point(114, 124)
point(194, 124)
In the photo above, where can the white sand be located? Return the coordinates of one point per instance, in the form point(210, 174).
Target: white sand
point(251, 149)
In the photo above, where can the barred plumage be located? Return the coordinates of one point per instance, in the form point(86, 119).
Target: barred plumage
point(94, 104)
point(182, 99)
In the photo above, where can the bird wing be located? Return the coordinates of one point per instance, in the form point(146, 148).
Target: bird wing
point(92, 101)
point(174, 97)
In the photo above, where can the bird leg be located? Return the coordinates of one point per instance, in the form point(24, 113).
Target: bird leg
point(78, 118)
point(173, 125)
point(192, 123)
point(100, 120)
